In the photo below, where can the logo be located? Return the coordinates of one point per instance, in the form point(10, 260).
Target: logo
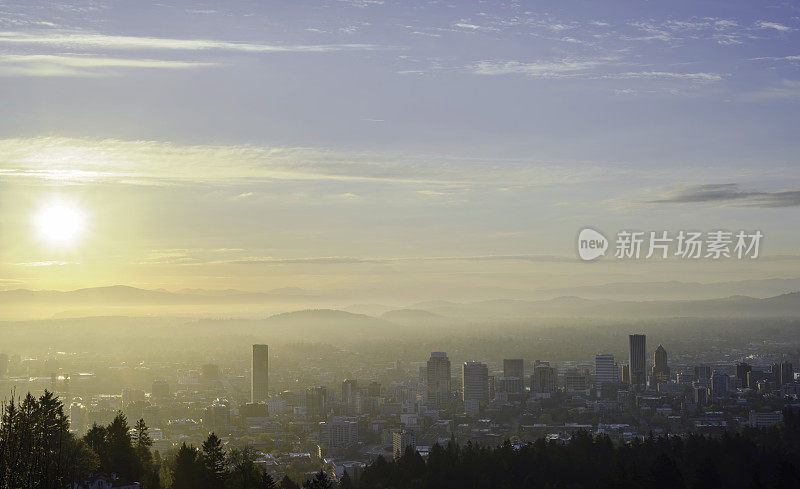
point(591, 244)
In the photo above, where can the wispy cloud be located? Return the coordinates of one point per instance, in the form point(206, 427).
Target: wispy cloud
point(730, 192)
point(85, 161)
point(82, 40)
point(773, 25)
point(542, 69)
point(585, 70)
point(338, 260)
point(785, 90)
point(72, 65)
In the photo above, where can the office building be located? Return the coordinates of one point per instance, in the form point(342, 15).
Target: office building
point(637, 361)
point(338, 433)
point(475, 383)
point(720, 384)
point(702, 372)
point(605, 371)
point(401, 440)
point(438, 381)
point(543, 380)
point(259, 373)
point(764, 420)
point(349, 390)
point(742, 369)
point(514, 367)
point(782, 373)
point(660, 372)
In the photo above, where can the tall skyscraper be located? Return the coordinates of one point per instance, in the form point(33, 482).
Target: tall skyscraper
point(605, 371)
point(702, 372)
point(543, 380)
point(259, 373)
point(514, 367)
point(742, 369)
point(315, 401)
point(438, 380)
point(637, 361)
point(720, 384)
point(660, 372)
point(782, 373)
point(349, 388)
point(475, 382)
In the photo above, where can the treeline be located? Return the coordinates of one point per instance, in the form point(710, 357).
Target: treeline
point(751, 459)
point(37, 451)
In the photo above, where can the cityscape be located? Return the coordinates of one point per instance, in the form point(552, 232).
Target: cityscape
point(399, 244)
point(295, 423)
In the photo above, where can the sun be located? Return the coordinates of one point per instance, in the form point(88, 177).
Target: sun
point(60, 224)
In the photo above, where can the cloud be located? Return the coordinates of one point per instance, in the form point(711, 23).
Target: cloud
point(543, 69)
point(693, 77)
point(339, 260)
point(71, 161)
point(785, 90)
point(70, 65)
point(773, 25)
point(82, 40)
point(579, 69)
point(731, 192)
point(46, 263)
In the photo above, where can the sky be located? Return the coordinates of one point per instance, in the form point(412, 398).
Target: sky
point(393, 149)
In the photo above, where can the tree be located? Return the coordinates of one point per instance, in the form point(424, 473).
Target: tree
point(287, 483)
point(36, 447)
point(95, 438)
point(213, 457)
point(122, 457)
point(345, 482)
point(319, 481)
point(149, 477)
point(244, 473)
point(267, 482)
point(187, 468)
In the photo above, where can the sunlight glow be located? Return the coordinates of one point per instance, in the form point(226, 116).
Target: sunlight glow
point(60, 224)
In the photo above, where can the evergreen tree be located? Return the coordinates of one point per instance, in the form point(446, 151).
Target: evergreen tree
point(345, 482)
point(287, 483)
point(122, 458)
point(213, 457)
point(149, 472)
point(319, 481)
point(187, 468)
point(267, 482)
point(244, 474)
point(36, 448)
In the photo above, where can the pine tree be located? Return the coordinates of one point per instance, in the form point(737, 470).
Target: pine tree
point(122, 458)
point(187, 469)
point(213, 457)
point(319, 481)
point(267, 482)
point(287, 483)
point(345, 482)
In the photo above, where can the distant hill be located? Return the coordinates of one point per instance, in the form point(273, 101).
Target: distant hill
point(675, 290)
point(123, 294)
point(403, 315)
point(124, 300)
point(786, 305)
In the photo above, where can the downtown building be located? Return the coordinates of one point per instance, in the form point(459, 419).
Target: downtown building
point(438, 381)
point(475, 384)
point(637, 362)
point(259, 373)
